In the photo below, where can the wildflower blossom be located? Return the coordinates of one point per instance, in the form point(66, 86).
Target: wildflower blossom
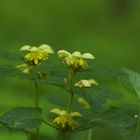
point(76, 59)
point(86, 83)
point(65, 119)
point(37, 54)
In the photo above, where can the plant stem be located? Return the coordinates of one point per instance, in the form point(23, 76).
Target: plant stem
point(71, 78)
point(137, 129)
point(89, 136)
point(61, 135)
point(71, 75)
point(70, 102)
point(50, 124)
point(36, 105)
point(36, 94)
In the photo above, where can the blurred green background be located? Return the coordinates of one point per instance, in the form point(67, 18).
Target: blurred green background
point(110, 29)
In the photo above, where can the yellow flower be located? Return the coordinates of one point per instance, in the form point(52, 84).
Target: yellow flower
point(65, 119)
point(37, 54)
point(76, 59)
point(84, 103)
point(86, 83)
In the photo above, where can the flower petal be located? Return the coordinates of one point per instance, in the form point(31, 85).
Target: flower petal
point(34, 49)
point(92, 81)
point(88, 56)
point(56, 111)
point(46, 48)
point(77, 54)
point(63, 53)
point(25, 48)
point(75, 114)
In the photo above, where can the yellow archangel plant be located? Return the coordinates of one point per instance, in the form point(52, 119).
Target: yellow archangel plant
point(34, 56)
point(37, 54)
point(76, 59)
point(65, 119)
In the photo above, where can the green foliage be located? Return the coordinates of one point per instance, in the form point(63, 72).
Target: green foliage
point(114, 119)
point(11, 71)
point(118, 120)
point(101, 113)
point(131, 80)
point(9, 56)
point(97, 96)
point(22, 118)
point(103, 70)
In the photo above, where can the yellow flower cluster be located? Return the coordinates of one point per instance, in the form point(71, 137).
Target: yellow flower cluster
point(37, 54)
point(76, 59)
point(86, 83)
point(65, 119)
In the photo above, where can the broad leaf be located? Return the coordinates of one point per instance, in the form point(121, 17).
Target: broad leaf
point(114, 119)
point(117, 120)
point(131, 80)
point(98, 98)
point(22, 118)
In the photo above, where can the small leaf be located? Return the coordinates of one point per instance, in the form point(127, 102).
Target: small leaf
point(131, 80)
point(22, 118)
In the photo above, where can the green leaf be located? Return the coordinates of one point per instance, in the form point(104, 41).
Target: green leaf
point(52, 80)
point(11, 71)
point(117, 120)
point(130, 80)
point(103, 70)
point(8, 71)
point(22, 118)
point(113, 119)
point(97, 97)
point(56, 72)
point(54, 99)
point(9, 56)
